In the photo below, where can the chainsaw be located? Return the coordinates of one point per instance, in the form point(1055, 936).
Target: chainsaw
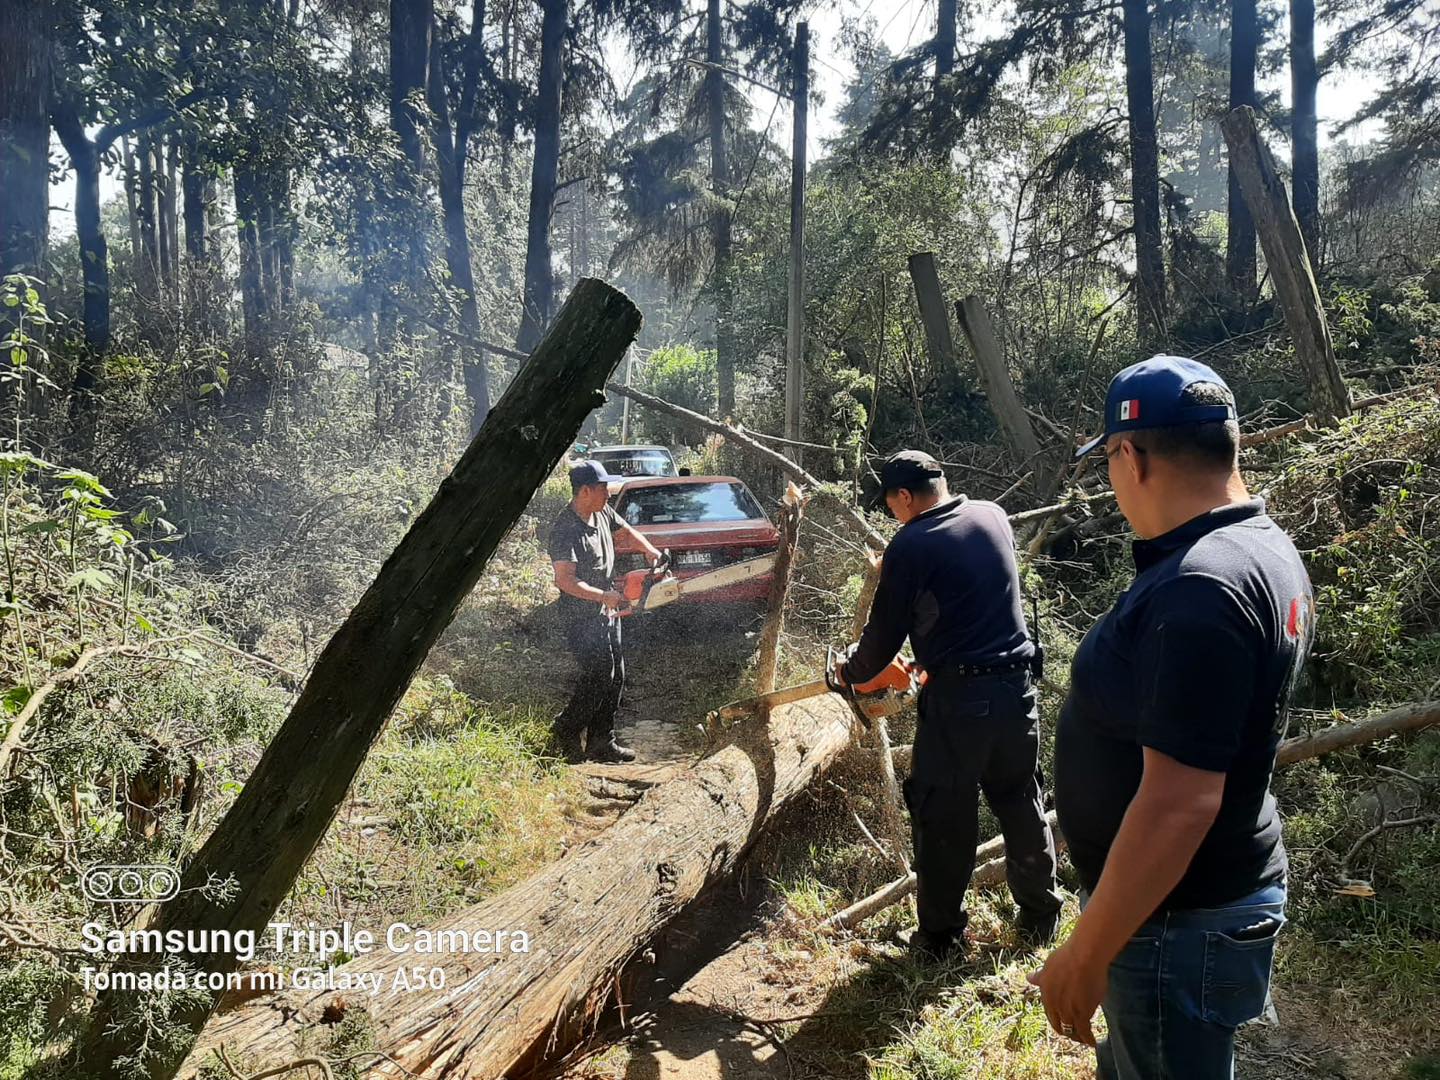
point(896, 685)
point(656, 586)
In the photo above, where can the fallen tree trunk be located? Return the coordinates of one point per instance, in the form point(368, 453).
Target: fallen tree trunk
point(1308, 421)
point(585, 915)
point(292, 795)
point(990, 856)
point(1397, 721)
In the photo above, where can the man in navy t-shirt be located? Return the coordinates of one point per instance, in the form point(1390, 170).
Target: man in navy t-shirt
point(1165, 746)
point(950, 584)
point(582, 550)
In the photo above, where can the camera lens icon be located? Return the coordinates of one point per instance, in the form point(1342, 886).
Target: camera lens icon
point(129, 884)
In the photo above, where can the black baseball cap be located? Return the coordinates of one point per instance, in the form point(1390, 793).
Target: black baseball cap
point(907, 468)
point(588, 472)
point(1149, 395)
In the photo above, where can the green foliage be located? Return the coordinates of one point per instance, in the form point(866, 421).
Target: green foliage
point(684, 376)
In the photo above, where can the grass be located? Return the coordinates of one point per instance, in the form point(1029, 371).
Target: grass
point(455, 802)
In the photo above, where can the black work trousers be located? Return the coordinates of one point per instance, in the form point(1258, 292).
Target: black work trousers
point(596, 643)
point(978, 733)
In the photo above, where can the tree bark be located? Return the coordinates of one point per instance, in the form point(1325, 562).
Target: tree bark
point(1304, 123)
point(147, 274)
point(254, 306)
point(1240, 225)
point(934, 316)
point(795, 305)
point(722, 219)
point(452, 145)
point(999, 388)
point(289, 800)
point(193, 198)
point(410, 25)
point(944, 45)
point(166, 211)
point(94, 258)
point(769, 651)
point(539, 299)
point(1151, 301)
point(586, 914)
point(1289, 265)
point(25, 60)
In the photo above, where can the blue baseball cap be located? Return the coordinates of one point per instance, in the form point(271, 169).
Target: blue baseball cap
point(588, 472)
point(1148, 395)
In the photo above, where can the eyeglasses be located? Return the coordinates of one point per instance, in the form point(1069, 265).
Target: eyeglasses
point(1105, 467)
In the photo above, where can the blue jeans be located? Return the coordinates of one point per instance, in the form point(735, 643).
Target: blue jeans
point(1184, 983)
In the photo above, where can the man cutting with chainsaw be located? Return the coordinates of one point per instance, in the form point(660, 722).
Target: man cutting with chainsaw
point(582, 549)
point(949, 583)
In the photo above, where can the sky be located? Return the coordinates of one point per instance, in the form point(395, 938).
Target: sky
point(902, 24)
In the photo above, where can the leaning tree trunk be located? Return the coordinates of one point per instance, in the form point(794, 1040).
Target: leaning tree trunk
point(289, 800)
point(1004, 402)
point(1240, 223)
point(934, 317)
point(1151, 302)
point(1304, 123)
point(585, 916)
point(1289, 266)
point(539, 298)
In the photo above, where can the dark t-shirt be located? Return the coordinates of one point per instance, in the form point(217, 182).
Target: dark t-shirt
point(1197, 659)
point(590, 546)
point(949, 582)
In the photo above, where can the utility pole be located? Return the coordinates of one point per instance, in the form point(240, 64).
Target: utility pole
point(625, 404)
point(795, 323)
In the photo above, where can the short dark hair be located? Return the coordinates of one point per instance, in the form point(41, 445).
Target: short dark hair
point(576, 486)
point(934, 485)
point(1211, 444)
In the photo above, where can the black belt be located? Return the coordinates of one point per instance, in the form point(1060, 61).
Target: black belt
point(975, 671)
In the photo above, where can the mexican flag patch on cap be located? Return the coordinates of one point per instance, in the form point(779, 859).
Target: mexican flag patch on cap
point(1130, 410)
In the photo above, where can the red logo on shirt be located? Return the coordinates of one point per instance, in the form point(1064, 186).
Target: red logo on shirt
point(1295, 624)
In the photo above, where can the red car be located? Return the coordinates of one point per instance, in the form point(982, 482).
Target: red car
point(706, 521)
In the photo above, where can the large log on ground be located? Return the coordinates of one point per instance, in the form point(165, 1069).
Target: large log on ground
point(291, 797)
point(1289, 263)
point(585, 916)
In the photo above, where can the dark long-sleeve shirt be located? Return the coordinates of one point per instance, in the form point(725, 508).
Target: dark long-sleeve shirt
point(950, 584)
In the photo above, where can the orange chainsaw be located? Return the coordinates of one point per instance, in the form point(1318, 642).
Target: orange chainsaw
point(896, 684)
point(656, 586)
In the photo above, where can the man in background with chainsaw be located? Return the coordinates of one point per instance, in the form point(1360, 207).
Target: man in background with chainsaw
point(949, 583)
point(582, 549)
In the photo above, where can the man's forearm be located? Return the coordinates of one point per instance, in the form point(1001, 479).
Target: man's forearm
point(1150, 854)
point(644, 542)
point(581, 590)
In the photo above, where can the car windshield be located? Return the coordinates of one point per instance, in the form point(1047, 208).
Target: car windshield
point(637, 462)
point(683, 504)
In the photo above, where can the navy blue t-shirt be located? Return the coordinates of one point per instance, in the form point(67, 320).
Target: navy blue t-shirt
point(1197, 659)
point(949, 582)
